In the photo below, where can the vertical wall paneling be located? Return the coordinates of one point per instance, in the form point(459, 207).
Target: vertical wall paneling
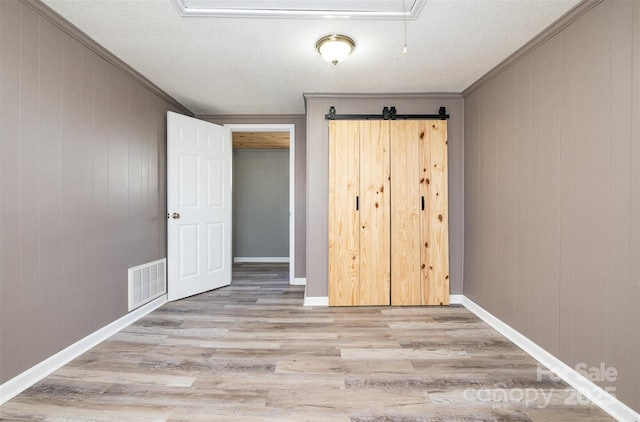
point(576, 148)
point(567, 195)
point(491, 259)
point(134, 155)
point(472, 188)
point(160, 166)
point(535, 104)
point(100, 200)
point(472, 158)
point(482, 164)
point(49, 186)
point(549, 182)
point(155, 206)
point(78, 139)
point(147, 133)
point(28, 182)
point(619, 198)
point(71, 190)
point(86, 142)
point(634, 287)
point(10, 269)
point(118, 186)
point(593, 57)
point(506, 182)
point(522, 210)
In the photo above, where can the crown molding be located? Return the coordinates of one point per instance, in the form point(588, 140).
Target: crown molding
point(566, 20)
point(52, 16)
point(264, 117)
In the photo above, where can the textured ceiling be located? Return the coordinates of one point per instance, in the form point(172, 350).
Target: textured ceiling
point(263, 66)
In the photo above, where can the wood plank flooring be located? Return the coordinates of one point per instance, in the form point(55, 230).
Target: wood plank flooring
point(252, 352)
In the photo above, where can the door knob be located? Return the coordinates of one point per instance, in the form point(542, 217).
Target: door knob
point(175, 215)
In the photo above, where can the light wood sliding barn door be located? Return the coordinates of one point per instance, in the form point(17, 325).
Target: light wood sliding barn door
point(375, 218)
point(388, 213)
point(419, 225)
point(359, 214)
point(406, 204)
point(344, 221)
point(435, 217)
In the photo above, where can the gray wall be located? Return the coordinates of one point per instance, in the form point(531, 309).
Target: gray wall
point(552, 194)
point(82, 187)
point(260, 203)
point(318, 172)
point(300, 150)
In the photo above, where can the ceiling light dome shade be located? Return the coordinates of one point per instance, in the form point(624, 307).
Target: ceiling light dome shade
point(335, 48)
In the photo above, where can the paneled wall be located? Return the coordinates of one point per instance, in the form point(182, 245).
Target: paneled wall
point(318, 172)
point(301, 163)
point(82, 187)
point(552, 194)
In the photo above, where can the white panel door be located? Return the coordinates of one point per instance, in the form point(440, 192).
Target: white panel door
point(198, 206)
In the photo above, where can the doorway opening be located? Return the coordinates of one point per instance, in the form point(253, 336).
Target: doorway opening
point(250, 149)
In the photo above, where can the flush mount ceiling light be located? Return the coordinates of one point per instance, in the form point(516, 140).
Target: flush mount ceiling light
point(335, 48)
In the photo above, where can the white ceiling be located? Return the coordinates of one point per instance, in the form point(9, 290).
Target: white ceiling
point(216, 65)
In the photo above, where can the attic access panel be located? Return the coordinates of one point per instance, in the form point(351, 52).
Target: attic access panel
point(312, 9)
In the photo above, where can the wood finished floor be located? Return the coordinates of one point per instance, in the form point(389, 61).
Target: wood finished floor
point(252, 352)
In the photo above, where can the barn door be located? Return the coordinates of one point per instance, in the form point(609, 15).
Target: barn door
point(344, 215)
point(359, 218)
point(419, 204)
point(388, 213)
point(375, 223)
point(434, 221)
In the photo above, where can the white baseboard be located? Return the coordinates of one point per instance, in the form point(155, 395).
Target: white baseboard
point(315, 300)
point(583, 385)
point(21, 382)
point(272, 259)
point(455, 299)
point(299, 282)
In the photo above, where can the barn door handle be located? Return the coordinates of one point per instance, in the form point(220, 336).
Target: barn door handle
point(357, 203)
point(423, 203)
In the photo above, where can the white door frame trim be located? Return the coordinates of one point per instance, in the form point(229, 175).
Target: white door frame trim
point(291, 128)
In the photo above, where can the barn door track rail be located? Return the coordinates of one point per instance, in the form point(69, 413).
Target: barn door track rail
point(388, 113)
